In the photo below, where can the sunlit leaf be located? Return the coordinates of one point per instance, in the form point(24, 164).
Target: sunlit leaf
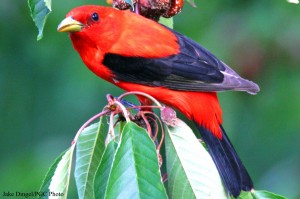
point(178, 184)
point(61, 178)
point(260, 194)
point(47, 180)
point(102, 174)
point(135, 171)
point(245, 195)
point(89, 149)
point(167, 21)
point(191, 170)
point(39, 10)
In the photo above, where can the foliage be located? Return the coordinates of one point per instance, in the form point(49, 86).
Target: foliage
point(40, 9)
point(186, 173)
point(128, 164)
point(40, 106)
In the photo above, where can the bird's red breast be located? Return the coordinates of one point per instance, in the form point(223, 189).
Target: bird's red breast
point(202, 107)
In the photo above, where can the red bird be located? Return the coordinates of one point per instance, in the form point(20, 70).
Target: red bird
point(138, 54)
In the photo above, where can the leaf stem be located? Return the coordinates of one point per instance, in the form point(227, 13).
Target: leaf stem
point(125, 112)
point(111, 128)
point(87, 123)
point(162, 129)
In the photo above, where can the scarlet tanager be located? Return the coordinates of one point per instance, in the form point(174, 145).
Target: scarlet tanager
point(138, 54)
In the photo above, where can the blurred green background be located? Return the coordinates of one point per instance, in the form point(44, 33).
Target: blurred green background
point(46, 92)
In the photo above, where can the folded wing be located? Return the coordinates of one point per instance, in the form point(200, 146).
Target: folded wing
point(193, 69)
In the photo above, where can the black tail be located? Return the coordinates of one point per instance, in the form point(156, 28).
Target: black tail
point(231, 169)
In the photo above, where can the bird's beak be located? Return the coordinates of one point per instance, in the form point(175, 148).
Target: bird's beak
point(69, 25)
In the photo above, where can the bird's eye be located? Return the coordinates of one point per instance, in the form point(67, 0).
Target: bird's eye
point(95, 16)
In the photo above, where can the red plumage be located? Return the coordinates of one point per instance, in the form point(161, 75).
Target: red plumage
point(138, 54)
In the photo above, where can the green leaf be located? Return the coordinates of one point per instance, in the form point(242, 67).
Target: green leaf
point(102, 174)
point(61, 178)
point(191, 170)
point(245, 195)
point(39, 10)
point(135, 171)
point(178, 184)
point(89, 149)
point(47, 180)
point(166, 21)
point(115, 136)
point(260, 194)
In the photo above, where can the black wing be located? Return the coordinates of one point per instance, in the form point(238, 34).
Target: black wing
point(193, 69)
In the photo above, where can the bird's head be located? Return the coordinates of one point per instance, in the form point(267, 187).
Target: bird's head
point(92, 25)
point(97, 30)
